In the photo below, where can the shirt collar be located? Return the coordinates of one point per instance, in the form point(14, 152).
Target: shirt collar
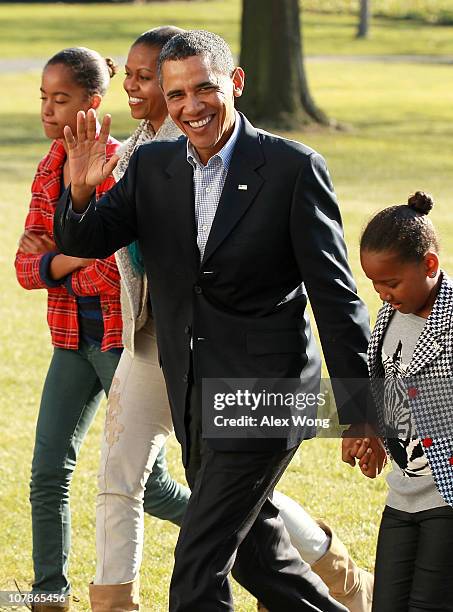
point(55, 158)
point(226, 152)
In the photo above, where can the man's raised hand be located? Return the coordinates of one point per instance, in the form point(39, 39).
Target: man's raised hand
point(88, 166)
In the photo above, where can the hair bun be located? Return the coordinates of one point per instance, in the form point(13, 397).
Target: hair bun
point(113, 68)
point(421, 202)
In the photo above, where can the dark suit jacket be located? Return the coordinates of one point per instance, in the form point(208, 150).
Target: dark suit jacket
point(283, 230)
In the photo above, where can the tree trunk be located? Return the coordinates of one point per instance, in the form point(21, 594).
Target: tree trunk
point(276, 90)
point(364, 19)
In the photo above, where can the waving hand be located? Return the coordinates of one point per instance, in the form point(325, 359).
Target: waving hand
point(88, 166)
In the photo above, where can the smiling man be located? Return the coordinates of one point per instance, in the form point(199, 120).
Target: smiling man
point(200, 92)
point(236, 227)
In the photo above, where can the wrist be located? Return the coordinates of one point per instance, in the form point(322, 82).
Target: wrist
point(80, 197)
point(62, 265)
point(359, 430)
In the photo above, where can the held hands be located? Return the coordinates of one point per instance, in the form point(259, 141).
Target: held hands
point(370, 453)
point(88, 166)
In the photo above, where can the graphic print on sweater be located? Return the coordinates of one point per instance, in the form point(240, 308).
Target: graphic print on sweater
point(402, 440)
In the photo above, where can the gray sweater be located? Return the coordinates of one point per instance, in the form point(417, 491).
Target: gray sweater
point(411, 485)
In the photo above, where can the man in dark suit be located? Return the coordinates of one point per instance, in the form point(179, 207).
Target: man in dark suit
point(236, 227)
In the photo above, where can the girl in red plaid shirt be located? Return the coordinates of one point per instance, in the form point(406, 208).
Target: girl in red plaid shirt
point(84, 316)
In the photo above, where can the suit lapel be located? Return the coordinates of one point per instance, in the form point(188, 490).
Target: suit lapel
point(431, 341)
point(374, 347)
point(426, 350)
point(241, 186)
point(181, 197)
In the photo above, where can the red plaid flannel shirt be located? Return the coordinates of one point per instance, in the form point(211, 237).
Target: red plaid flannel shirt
point(101, 278)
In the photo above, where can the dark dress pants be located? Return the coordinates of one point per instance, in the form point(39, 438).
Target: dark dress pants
point(231, 521)
point(414, 561)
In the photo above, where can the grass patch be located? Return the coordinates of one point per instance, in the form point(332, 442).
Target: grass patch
point(439, 12)
point(400, 120)
point(111, 28)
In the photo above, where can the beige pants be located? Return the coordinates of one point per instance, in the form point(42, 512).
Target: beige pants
point(138, 423)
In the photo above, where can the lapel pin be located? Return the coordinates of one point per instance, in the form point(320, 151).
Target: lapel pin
point(242, 187)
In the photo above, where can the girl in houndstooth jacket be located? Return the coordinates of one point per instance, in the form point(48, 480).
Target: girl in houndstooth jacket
point(411, 366)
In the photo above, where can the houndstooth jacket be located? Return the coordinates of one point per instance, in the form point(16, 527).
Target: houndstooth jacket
point(428, 382)
point(134, 286)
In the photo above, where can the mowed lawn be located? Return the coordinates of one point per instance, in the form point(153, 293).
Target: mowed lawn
point(397, 132)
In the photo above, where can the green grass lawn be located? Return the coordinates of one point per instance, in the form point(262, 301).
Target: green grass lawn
point(110, 28)
point(425, 11)
point(399, 129)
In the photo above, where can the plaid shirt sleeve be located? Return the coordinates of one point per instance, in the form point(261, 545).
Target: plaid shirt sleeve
point(28, 266)
point(100, 277)
point(28, 271)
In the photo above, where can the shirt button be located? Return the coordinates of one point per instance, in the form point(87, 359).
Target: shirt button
point(105, 308)
point(185, 378)
point(204, 227)
point(198, 290)
point(187, 329)
point(208, 190)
